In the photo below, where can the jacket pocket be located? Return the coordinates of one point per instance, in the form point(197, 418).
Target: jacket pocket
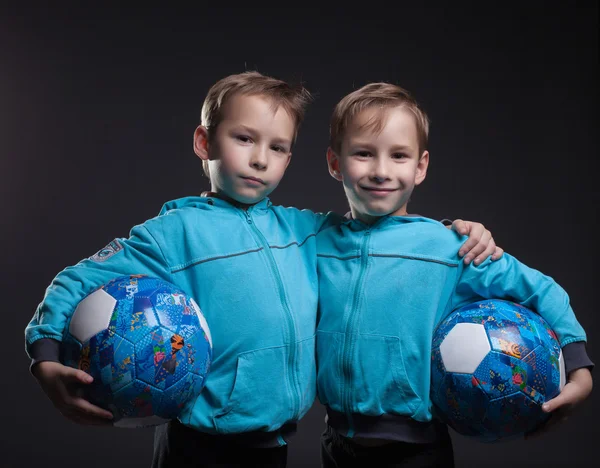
point(306, 374)
point(329, 373)
point(380, 383)
point(264, 395)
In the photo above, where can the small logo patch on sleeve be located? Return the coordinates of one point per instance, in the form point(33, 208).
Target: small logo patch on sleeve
point(104, 254)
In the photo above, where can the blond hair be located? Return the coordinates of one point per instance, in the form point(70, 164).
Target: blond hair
point(293, 99)
point(381, 95)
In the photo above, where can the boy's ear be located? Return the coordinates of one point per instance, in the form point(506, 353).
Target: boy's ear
point(422, 166)
point(333, 162)
point(201, 142)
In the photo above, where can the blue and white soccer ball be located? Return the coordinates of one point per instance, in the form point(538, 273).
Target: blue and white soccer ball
point(146, 344)
point(494, 363)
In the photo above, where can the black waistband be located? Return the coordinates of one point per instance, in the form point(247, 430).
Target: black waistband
point(257, 439)
point(386, 427)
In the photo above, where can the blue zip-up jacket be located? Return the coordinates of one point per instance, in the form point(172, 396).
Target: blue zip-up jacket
point(253, 273)
point(383, 289)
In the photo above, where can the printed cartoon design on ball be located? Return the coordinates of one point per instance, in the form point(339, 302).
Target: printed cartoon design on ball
point(494, 363)
point(146, 344)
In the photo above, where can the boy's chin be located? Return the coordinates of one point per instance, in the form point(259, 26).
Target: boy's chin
point(245, 199)
point(378, 212)
point(369, 216)
point(375, 210)
point(372, 214)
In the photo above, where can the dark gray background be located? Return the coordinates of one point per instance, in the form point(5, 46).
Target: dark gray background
point(97, 111)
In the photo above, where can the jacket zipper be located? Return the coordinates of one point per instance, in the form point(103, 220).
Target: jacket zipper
point(291, 327)
point(350, 332)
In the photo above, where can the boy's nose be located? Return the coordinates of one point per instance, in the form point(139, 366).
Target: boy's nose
point(259, 159)
point(379, 172)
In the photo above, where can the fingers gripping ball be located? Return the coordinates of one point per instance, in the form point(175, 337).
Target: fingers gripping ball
point(146, 344)
point(494, 364)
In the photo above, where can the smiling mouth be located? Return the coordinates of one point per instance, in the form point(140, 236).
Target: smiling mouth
point(255, 179)
point(378, 189)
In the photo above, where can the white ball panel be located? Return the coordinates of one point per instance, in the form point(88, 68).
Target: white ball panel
point(464, 347)
point(202, 320)
point(563, 373)
point(92, 315)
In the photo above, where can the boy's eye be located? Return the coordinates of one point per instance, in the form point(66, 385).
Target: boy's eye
point(363, 154)
point(279, 149)
point(398, 156)
point(244, 138)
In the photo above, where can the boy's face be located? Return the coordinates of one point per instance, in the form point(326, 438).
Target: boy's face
point(379, 170)
point(250, 150)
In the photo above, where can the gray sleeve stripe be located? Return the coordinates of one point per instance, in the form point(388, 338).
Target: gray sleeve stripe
point(214, 258)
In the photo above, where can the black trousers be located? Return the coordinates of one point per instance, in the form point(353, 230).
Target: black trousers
point(338, 451)
point(178, 446)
